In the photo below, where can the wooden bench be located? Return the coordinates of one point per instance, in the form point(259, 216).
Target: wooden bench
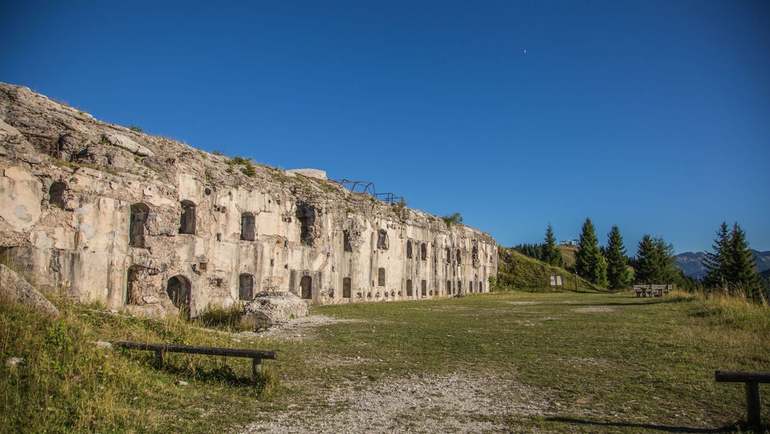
point(751, 380)
point(652, 290)
point(256, 356)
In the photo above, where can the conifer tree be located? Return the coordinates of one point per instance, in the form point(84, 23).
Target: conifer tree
point(589, 262)
point(645, 260)
point(617, 273)
point(655, 261)
point(667, 271)
point(717, 262)
point(742, 271)
point(551, 253)
point(599, 277)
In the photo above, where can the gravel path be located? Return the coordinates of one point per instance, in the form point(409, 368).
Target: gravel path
point(458, 402)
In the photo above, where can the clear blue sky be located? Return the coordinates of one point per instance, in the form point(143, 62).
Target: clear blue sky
point(653, 115)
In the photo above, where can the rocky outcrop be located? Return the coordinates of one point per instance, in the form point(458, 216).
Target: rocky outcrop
point(13, 288)
point(267, 310)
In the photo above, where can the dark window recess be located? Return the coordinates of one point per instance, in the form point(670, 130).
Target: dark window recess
point(381, 277)
point(424, 252)
point(306, 287)
point(248, 227)
point(382, 239)
point(459, 286)
point(187, 220)
point(133, 291)
point(409, 249)
point(178, 290)
point(245, 286)
point(306, 214)
point(448, 254)
point(346, 246)
point(346, 286)
point(139, 214)
point(424, 287)
point(408, 287)
point(448, 286)
point(457, 255)
point(470, 286)
point(56, 194)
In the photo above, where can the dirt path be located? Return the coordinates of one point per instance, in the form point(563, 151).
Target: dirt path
point(458, 402)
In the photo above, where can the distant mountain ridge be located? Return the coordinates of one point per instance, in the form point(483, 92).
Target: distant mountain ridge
point(691, 263)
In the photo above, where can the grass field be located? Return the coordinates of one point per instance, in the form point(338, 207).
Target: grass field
point(510, 361)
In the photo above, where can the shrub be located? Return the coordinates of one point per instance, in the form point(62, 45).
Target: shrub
point(453, 219)
point(226, 318)
point(247, 167)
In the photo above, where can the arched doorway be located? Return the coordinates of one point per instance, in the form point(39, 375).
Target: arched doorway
point(306, 287)
point(178, 290)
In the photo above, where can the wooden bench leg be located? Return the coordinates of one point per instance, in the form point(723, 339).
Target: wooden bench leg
point(159, 358)
point(256, 368)
point(752, 404)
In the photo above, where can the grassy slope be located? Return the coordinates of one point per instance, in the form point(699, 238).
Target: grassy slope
point(66, 383)
point(568, 255)
point(518, 271)
point(646, 361)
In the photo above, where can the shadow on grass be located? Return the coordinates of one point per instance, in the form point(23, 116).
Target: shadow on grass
point(647, 426)
point(221, 373)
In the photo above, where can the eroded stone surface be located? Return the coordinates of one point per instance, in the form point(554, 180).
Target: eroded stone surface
point(268, 309)
point(95, 211)
point(15, 289)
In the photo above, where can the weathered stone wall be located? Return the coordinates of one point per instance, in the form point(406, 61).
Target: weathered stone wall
point(69, 183)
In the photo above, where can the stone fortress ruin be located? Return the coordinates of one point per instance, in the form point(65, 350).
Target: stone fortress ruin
point(142, 223)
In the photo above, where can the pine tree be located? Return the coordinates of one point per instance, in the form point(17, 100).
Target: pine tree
point(667, 271)
point(617, 273)
point(655, 261)
point(599, 277)
point(742, 270)
point(551, 253)
point(589, 262)
point(645, 260)
point(717, 262)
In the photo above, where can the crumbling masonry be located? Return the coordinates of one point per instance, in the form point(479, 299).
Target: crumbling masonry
point(143, 223)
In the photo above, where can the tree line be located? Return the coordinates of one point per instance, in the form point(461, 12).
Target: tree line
point(731, 266)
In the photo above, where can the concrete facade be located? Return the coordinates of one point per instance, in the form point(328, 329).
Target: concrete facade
point(146, 224)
